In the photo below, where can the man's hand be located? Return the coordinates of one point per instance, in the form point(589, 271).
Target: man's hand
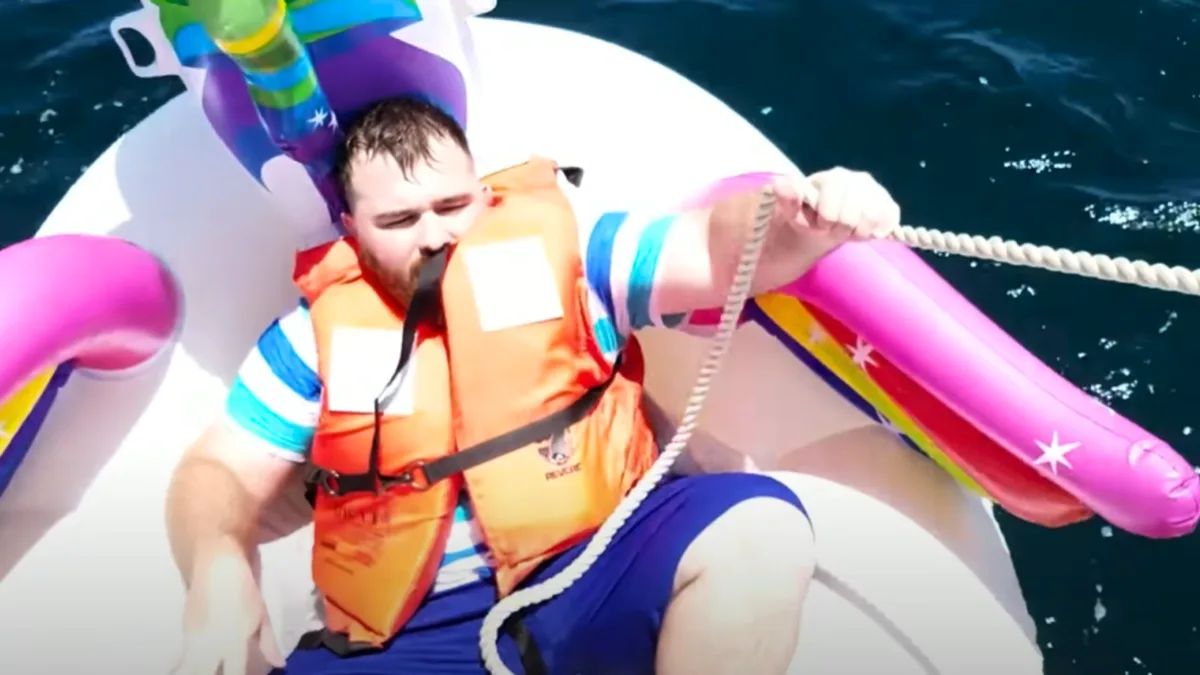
point(213, 506)
point(842, 203)
point(225, 621)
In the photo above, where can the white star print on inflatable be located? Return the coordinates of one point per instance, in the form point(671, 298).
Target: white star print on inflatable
point(860, 353)
point(815, 334)
point(1055, 453)
point(319, 118)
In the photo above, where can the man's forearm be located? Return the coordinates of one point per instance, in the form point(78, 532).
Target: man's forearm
point(209, 514)
point(701, 251)
point(698, 256)
point(731, 224)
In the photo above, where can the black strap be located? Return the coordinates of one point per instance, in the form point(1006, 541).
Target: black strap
point(341, 645)
point(420, 476)
point(531, 657)
point(427, 296)
point(573, 174)
point(338, 643)
point(518, 438)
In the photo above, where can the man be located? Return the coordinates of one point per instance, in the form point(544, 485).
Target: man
point(518, 371)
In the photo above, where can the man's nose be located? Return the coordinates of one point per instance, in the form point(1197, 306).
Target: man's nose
point(436, 237)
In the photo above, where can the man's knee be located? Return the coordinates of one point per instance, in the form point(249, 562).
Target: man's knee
point(763, 535)
point(766, 528)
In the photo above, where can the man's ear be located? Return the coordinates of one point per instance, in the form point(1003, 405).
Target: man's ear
point(348, 222)
point(489, 197)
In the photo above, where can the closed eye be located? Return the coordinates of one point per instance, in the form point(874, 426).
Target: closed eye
point(452, 205)
point(450, 209)
point(394, 220)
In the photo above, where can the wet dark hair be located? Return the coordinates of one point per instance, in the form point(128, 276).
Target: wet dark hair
point(403, 127)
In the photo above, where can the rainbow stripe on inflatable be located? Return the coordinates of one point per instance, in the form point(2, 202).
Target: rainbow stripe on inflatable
point(841, 358)
point(869, 380)
point(822, 346)
point(22, 416)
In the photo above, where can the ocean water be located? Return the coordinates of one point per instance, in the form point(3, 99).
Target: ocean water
point(1067, 123)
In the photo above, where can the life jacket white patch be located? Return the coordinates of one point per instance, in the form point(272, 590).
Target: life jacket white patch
point(513, 283)
point(361, 360)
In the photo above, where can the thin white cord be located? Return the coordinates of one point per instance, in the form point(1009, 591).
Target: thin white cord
point(738, 294)
point(1081, 263)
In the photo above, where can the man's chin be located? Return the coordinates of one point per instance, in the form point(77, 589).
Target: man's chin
point(387, 283)
point(401, 296)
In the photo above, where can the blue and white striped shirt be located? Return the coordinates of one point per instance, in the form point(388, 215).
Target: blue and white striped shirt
point(277, 393)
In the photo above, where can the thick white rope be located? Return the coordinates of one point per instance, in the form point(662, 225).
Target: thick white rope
point(1082, 263)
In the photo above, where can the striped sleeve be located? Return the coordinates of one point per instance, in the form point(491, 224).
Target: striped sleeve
point(277, 394)
point(621, 263)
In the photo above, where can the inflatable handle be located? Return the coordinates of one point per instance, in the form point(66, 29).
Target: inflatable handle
point(100, 302)
point(145, 22)
point(898, 305)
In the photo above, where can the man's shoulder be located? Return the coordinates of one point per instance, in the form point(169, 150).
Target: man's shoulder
point(288, 348)
point(276, 394)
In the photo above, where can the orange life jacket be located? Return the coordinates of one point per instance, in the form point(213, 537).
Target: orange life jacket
point(544, 433)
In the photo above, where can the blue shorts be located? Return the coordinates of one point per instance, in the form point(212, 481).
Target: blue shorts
point(608, 621)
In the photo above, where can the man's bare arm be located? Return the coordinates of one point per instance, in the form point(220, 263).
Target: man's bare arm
point(811, 217)
point(218, 492)
point(701, 251)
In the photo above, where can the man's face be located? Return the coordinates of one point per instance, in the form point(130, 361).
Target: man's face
point(399, 221)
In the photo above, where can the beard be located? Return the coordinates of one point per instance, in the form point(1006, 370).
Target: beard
point(401, 284)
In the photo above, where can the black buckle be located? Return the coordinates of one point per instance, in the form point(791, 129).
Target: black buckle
point(331, 482)
point(326, 481)
point(414, 477)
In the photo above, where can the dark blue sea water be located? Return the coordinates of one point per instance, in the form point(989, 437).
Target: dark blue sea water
point(1064, 122)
